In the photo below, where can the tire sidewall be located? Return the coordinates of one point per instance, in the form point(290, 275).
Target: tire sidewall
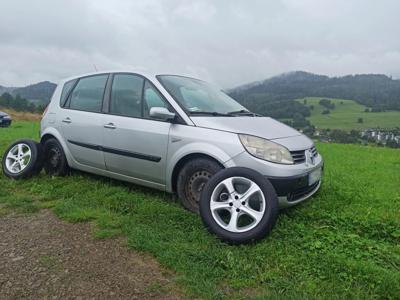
point(31, 168)
point(63, 168)
point(198, 164)
point(262, 228)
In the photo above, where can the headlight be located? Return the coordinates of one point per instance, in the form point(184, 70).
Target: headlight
point(267, 150)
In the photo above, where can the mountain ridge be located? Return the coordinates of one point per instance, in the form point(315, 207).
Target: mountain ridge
point(275, 96)
point(41, 91)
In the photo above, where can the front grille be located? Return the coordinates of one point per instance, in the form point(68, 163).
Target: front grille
point(314, 151)
point(297, 194)
point(299, 156)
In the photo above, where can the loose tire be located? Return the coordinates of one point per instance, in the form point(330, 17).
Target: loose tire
point(191, 180)
point(239, 205)
point(22, 159)
point(55, 162)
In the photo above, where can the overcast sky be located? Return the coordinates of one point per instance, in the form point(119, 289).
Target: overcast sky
point(224, 41)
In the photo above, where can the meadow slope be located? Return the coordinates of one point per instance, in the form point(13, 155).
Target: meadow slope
point(346, 114)
point(343, 243)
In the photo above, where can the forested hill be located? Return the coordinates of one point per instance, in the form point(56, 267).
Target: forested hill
point(274, 96)
point(39, 91)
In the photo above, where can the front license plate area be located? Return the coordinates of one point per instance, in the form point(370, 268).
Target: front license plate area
point(314, 176)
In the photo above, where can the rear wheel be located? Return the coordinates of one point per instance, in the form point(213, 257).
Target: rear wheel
point(55, 162)
point(192, 179)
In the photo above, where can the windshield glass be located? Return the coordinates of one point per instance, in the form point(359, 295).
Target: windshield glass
point(199, 97)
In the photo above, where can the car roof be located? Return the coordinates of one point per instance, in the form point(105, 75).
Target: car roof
point(147, 74)
point(2, 113)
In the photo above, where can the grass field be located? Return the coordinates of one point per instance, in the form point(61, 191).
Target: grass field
point(346, 114)
point(343, 243)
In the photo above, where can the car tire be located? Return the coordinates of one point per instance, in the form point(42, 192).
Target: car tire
point(191, 180)
point(22, 159)
point(239, 205)
point(55, 161)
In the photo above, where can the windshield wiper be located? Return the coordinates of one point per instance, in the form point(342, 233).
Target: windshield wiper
point(243, 112)
point(210, 113)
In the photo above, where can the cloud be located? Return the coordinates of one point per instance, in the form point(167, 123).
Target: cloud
point(227, 42)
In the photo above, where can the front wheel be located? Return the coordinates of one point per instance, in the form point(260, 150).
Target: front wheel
point(239, 205)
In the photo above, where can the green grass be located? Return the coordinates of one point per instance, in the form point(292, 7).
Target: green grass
point(345, 115)
point(343, 243)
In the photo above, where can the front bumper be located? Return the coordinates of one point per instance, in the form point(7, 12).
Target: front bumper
point(296, 189)
point(291, 182)
point(288, 201)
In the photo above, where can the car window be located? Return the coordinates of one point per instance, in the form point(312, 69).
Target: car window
point(196, 99)
point(126, 95)
point(152, 98)
point(65, 91)
point(197, 96)
point(88, 93)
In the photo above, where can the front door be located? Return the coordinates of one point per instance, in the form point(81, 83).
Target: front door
point(134, 144)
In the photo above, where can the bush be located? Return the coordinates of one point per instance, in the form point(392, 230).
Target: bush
point(326, 112)
point(327, 103)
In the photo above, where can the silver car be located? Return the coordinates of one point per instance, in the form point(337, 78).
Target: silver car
point(173, 133)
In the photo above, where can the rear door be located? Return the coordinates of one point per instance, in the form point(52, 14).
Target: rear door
point(82, 120)
point(134, 144)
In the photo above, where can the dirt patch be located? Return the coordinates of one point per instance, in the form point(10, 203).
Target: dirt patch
point(44, 257)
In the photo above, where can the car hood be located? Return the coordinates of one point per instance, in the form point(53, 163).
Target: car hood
point(264, 127)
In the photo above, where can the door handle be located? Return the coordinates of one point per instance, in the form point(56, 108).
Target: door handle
point(110, 126)
point(67, 120)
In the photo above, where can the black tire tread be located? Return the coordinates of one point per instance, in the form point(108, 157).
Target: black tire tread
point(186, 172)
point(64, 168)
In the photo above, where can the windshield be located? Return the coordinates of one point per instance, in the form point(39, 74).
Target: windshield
point(199, 97)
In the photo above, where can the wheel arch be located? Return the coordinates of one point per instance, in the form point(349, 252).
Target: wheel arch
point(46, 137)
point(181, 163)
point(51, 132)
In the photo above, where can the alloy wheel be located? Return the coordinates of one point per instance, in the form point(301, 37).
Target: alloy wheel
point(237, 204)
point(18, 158)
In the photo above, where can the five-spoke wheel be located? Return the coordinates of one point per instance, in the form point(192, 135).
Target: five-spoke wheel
point(239, 205)
point(18, 158)
point(22, 159)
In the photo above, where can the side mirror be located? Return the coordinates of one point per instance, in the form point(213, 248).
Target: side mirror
point(161, 113)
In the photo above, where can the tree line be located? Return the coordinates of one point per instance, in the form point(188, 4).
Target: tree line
point(20, 104)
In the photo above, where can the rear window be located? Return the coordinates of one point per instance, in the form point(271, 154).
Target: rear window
point(88, 93)
point(65, 91)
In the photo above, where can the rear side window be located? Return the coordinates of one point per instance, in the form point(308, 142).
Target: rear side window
point(88, 93)
point(65, 91)
point(126, 95)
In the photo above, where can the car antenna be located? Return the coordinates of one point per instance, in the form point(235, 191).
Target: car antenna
point(94, 66)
